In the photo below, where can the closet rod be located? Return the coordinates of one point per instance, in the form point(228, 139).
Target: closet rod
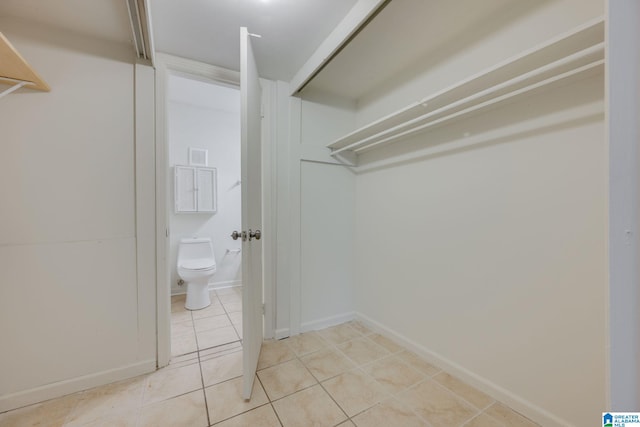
point(366, 142)
point(487, 103)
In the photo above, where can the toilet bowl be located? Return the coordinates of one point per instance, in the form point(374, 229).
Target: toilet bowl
point(196, 266)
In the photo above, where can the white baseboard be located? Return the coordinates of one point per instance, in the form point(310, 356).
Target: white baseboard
point(282, 333)
point(326, 322)
point(62, 388)
point(212, 286)
point(225, 284)
point(514, 401)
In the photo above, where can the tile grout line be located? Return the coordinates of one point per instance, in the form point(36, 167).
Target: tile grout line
point(209, 423)
point(359, 367)
point(204, 391)
point(229, 317)
point(320, 382)
point(206, 405)
point(269, 400)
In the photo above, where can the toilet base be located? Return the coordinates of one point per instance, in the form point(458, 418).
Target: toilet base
point(197, 296)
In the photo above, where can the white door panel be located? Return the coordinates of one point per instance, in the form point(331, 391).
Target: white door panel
point(252, 326)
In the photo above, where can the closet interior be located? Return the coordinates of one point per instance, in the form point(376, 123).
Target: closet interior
point(475, 160)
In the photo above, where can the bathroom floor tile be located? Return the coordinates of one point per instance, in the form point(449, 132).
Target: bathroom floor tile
point(382, 386)
point(327, 363)
point(178, 297)
point(238, 328)
point(167, 383)
point(183, 360)
point(180, 316)
point(264, 416)
point(360, 327)
point(286, 378)
point(354, 391)
point(274, 352)
point(437, 405)
point(182, 328)
point(177, 302)
point(306, 343)
point(468, 393)
point(310, 407)
point(389, 413)
point(416, 362)
point(230, 298)
point(215, 309)
point(232, 307)
point(385, 342)
point(362, 350)
point(235, 317)
point(127, 418)
point(183, 344)
point(216, 337)
point(222, 368)
point(394, 374)
point(186, 410)
point(212, 322)
point(221, 350)
point(508, 416)
point(101, 401)
point(339, 334)
point(484, 420)
point(225, 400)
point(230, 290)
point(49, 413)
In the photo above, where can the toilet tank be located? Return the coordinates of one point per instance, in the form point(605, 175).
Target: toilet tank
point(195, 247)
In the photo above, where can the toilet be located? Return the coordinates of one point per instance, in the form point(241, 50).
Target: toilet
point(196, 266)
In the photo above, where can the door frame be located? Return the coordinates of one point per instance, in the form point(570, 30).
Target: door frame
point(167, 65)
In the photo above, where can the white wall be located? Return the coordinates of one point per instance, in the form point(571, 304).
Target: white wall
point(219, 132)
point(69, 305)
point(327, 217)
point(315, 216)
point(482, 245)
point(493, 251)
point(327, 257)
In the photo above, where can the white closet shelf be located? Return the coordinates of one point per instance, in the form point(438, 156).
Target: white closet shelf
point(16, 71)
point(569, 56)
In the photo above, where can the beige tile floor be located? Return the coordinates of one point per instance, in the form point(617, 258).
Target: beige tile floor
point(216, 325)
point(340, 376)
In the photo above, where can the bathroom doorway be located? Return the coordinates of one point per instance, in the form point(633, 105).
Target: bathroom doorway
point(203, 139)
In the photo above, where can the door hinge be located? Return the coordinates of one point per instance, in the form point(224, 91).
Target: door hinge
point(263, 309)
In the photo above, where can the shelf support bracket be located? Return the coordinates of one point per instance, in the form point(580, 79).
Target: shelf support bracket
point(347, 158)
point(13, 88)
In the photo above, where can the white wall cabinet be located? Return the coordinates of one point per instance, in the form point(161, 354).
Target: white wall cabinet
point(195, 189)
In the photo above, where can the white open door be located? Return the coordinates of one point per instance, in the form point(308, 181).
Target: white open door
point(252, 328)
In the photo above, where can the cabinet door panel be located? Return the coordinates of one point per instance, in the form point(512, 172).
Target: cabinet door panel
point(206, 190)
point(185, 189)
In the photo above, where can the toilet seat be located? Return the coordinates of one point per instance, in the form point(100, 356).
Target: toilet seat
point(198, 264)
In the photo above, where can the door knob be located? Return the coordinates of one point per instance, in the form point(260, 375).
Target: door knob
point(255, 234)
point(236, 235)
